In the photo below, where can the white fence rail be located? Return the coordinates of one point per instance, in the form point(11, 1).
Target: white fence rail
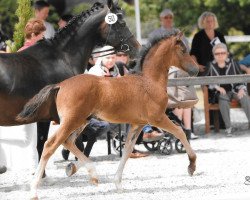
point(206, 80)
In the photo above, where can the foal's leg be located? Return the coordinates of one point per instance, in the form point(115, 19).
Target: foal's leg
point(129, 145)
point(49, 148)
point(73, 167)
point(166, 124)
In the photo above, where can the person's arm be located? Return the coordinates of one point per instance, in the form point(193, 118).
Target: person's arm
point(195, 51)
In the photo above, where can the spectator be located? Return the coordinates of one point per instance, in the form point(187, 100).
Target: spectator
point(166, 20)
point(204, 40)
point(201, 49)
point(167, 25)
point(105, 64)
point(33, 31)
point(121, 62)
point(220, 66)
point(245, 64)
point(42, 12)
point(64, 20)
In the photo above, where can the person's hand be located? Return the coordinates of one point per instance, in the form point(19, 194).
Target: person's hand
point(247, 70)
point(106, 71)
point(241, 93)
point(201, 68)
point(221, 90)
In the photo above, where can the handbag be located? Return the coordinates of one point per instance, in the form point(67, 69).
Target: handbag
point(181, 96)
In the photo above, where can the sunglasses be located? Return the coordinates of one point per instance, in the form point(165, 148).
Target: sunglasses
point(168, 17)
point(220, 53)
point(121, 54)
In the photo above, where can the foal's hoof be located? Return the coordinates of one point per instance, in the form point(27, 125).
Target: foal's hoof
point(70, 169)
point(94, 181)
point(191, 169)
point(34, 198)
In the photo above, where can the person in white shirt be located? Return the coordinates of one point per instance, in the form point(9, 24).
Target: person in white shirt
point(42, 13)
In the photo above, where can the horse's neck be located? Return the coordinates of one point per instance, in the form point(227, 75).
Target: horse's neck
point(78, 42)
point(157, 69)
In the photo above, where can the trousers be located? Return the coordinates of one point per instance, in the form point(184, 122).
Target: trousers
point(224, 105)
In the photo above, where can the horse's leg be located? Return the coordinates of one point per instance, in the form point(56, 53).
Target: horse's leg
point(73, 167)
point(129, 145)
point(50, 146)
point(166, 124)
point(42, 136)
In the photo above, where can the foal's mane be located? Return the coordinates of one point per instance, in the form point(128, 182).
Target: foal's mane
point(152, 42)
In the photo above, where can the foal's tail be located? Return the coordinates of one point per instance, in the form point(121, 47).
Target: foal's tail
point(33, 111)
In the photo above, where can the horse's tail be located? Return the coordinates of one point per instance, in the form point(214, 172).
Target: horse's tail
point(46, 97)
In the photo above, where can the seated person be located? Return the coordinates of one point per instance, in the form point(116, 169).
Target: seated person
point(245, 64)
point(220, 66)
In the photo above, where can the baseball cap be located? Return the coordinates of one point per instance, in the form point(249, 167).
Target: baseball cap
point(166, 12)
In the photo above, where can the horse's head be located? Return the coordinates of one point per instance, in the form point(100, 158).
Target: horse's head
point(116, 33)
point(181, 57)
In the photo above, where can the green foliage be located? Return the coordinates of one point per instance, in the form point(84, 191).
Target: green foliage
point(7, 16)
point(80, 7)
point(24, 12)
point(231, 14)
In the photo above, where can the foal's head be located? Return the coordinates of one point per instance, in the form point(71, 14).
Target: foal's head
point(169, 50)
point(176, 52)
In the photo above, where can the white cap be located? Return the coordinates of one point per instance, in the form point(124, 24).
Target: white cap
point(166, 12)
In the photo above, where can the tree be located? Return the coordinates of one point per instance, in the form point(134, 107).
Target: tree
point(232, 15)
point(24, 12)
point(8, 17)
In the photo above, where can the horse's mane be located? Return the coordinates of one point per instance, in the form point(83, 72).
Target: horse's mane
point(76, 21)
point(152, 41)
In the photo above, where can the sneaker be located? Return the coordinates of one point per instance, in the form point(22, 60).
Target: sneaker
point(193, 136)
point(153, 136)
point(65, 154)
point(3, 169)
point(228, 132)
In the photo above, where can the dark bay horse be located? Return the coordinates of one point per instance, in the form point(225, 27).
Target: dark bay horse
point(24, 73)
point(136, 99)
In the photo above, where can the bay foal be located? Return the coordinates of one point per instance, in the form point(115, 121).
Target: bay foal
point(136, 99)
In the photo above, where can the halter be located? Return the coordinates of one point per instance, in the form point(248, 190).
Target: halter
point(124, 47)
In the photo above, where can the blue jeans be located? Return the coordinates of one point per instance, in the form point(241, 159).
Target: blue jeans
point(147, 129)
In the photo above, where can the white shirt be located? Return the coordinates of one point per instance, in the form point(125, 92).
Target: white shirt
point(50, 31)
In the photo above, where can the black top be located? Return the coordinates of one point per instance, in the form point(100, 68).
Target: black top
point(231, 68)
point(201, 47)
point(222, 72)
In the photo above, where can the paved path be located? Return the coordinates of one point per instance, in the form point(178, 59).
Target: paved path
point(222, 165)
